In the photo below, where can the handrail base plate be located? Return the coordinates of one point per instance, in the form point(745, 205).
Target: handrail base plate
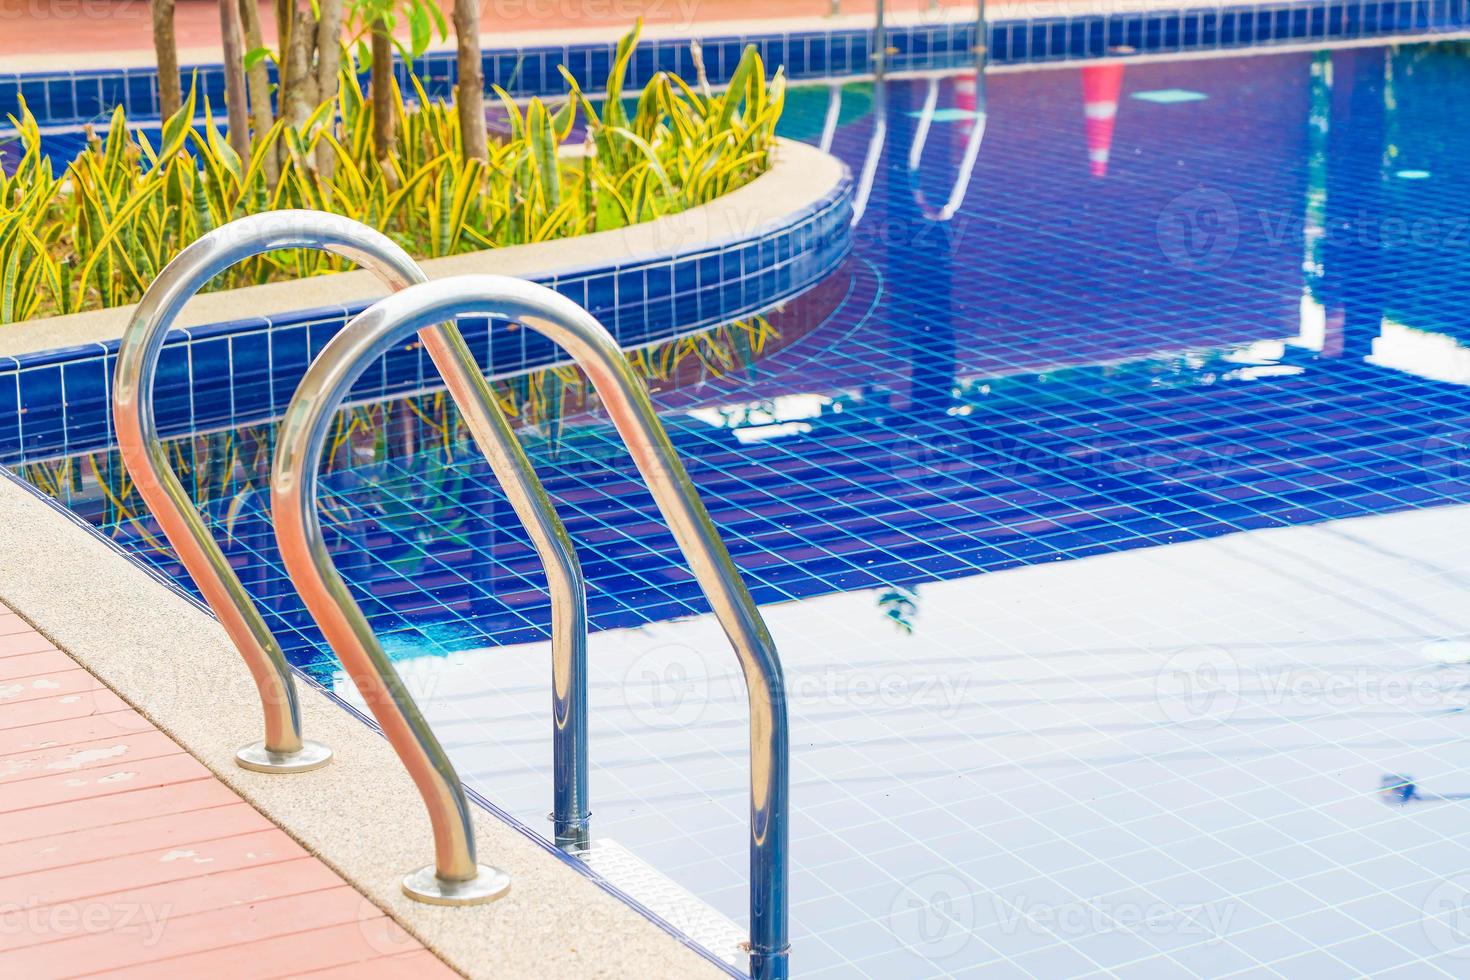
point(257, 758)
point(486, 886)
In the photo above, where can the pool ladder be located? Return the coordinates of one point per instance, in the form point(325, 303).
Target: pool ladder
point(429, 309)
point(874, 153)
point(961, 184)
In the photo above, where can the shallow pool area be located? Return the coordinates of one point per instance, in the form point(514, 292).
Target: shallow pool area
point(1103, 504)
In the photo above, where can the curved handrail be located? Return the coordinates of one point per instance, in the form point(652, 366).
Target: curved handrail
point(829, 122)
point(880, 118)
point(961, 185)
point(283, 749)
point(875, 147)
point(298, 530)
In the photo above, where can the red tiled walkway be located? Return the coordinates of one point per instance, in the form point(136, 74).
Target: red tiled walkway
point(122, 855)
point(38, 27)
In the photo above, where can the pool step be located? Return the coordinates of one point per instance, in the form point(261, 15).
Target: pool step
point(669, 900)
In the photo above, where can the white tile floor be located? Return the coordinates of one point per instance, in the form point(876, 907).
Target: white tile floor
point(1159, 762)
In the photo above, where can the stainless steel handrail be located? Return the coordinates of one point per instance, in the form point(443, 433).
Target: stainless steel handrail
point(283, 749)
point(834, 113)
point(874, 152)
point(298, 530)
point(961, 185)
point(966, 170)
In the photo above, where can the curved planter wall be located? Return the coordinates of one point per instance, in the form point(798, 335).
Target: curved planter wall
point(733, 258)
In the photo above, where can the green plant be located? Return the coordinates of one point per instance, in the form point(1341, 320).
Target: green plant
point(375, 23)
point(27, 237)
point(703, 143)
point(100, 233)
point(424, 20)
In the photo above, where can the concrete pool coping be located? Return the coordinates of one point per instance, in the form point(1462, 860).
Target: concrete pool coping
point(799, 178)
point(361, 814)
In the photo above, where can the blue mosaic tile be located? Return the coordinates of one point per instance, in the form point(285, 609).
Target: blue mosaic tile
point(290, 354)
point(403, 366)
point(42, 409)
point(10, 417)
point(85, 396)
point(214, 404)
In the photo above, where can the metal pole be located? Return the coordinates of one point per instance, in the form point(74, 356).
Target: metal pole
point(298, 529)
point(283, 749)
point(880, 39)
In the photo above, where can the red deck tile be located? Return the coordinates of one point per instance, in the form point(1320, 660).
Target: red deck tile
point(97, 701)
point(121, 855)
point(108, 810)
point(32, 664)
point(171, 830)
point(225, 889)
point(10, 624)
point(56, 684)
point(71, 731)
point(60, 787)
point(84, 756)
point(26, 641)
point(75, 882)
point(60, 26)
point(141, 935)
point(279, 956)
point(418, 963)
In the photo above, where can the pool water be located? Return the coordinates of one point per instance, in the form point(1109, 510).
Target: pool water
point(1053, 713)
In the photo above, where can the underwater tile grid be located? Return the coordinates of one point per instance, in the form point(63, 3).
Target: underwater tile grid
point(1236, 305)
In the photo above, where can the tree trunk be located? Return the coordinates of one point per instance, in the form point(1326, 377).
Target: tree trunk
point(384, 120)
point(166, 50)
point(233, 39)
point(469, 94)
point(285, 14)
point(328, 65)
point(298, 90)
point(258, 78)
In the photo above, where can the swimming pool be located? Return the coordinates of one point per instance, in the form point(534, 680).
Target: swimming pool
point(1238, 311)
